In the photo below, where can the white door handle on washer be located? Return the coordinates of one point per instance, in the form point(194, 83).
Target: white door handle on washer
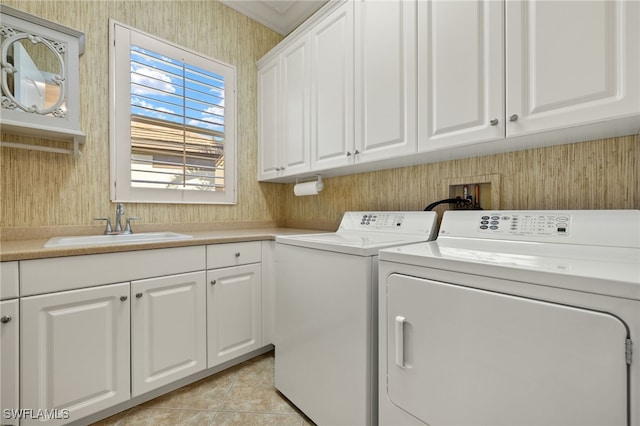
point(400, 341)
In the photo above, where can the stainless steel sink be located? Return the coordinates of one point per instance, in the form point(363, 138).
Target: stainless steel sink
point(92, 240)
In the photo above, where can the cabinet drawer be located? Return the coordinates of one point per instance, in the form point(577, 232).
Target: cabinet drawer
point(233, 254)
point(68, 273)
point(8, 280)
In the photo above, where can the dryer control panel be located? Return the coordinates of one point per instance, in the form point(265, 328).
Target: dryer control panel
point(612, 228)
point(525, 224)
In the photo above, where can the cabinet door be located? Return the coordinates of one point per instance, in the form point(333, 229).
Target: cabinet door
point(168, 330)
point(460, 73)
point(571, 62)
point(268, 120)
point(332, 94)
point(385, 69)
point(9, 359)
point(296, 127)
point(234, 316)
point(74, 349)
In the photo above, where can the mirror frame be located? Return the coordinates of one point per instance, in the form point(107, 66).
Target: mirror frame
point(8, 69)
point(67, 44)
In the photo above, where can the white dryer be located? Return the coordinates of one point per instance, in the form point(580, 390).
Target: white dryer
point(326, 313)
point(513, 318)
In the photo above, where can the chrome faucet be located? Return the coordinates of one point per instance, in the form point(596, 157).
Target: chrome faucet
point(119, 214)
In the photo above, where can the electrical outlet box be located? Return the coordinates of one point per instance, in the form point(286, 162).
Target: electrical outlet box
point(483, 191)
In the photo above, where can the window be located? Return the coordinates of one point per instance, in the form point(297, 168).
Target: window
point(172, 128)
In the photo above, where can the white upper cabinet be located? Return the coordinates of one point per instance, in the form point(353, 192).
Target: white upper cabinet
point(296, 129)
point(460, 73)
point(268, 119)
point(404, 82)
point(385, 76)
point(571, 63)
point(566, 64)
point(332, 94)
point(283, 112)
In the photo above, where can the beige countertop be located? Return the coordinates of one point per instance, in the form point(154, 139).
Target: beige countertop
point(25, 249)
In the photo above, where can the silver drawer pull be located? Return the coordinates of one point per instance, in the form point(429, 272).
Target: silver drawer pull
point(138, 295)
point(5, 319)
point(123, 298)
point(213, 282)
point(238, 254)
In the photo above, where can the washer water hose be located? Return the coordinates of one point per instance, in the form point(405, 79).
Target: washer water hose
point(459, 202)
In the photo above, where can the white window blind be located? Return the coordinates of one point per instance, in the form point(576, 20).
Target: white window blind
point(180, 123)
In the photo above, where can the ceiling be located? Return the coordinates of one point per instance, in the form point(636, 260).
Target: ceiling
point(282, 16)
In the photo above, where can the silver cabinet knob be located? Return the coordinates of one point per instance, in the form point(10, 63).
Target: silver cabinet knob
point(123, 298)
point(5, 319)
point(237, 254)
point(348, 153)
point(356, 152)
point(494, 122)
point(138, 295)
point(514, 117)
point(213, 282)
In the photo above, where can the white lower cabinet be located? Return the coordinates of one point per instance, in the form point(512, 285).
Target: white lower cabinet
point(168, 330)
point(234, 317)
point(268, 292)
point(9, 361)
point(86, 345)
point(74, 349)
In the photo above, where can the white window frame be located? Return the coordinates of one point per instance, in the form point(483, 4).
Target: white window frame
point(121, 190)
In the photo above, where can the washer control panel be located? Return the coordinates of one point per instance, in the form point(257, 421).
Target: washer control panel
point(382, 220)
point(539, 225)
point(407, 222)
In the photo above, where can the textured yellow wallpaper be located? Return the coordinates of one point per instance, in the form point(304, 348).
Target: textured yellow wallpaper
point(43, 189)
point(601, 174)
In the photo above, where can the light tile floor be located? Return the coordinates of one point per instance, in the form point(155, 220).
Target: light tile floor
point(241, 395)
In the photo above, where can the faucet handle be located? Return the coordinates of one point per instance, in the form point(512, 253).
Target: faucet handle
point(108, 229)
point(127, 228)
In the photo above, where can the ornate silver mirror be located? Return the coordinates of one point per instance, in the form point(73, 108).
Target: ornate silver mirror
point(39, 77)
point(33, 73)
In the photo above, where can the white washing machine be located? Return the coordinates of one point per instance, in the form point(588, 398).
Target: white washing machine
point(513, 318)
point(326, 313)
